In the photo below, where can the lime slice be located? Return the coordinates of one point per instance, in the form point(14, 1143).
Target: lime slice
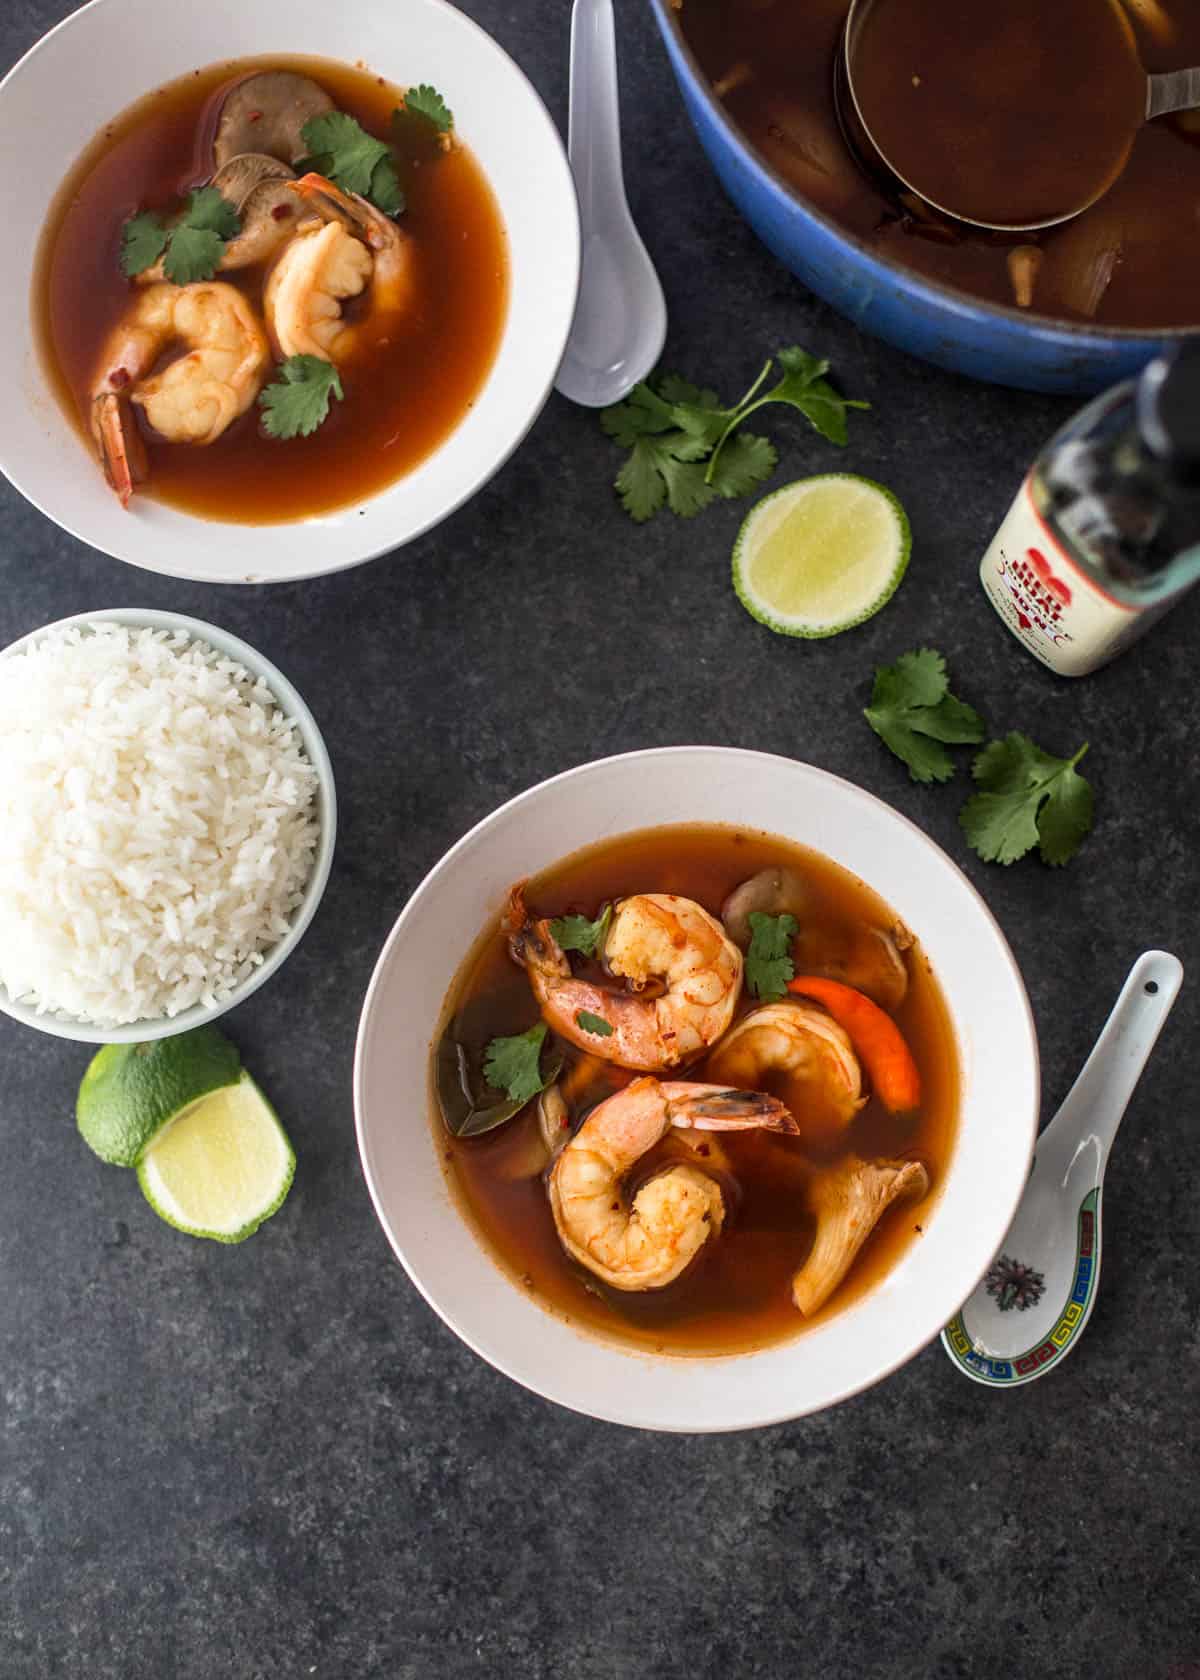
point(221, 1167)
point(821, 555)
point(131, 1091)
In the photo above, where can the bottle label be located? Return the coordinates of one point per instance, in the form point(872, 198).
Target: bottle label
point(1060, 613)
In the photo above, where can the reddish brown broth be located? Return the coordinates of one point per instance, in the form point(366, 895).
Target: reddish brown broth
point(396, 411)
point(1131, 260)
point(737, 1297)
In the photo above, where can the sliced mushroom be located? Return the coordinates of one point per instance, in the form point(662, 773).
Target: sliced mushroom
point(237, 179)
point(864, 957)
point(848, 1203)
point(266, 113)
point(771, 892)
point(268, 214)
point(554, 1122)
point(1024, 265)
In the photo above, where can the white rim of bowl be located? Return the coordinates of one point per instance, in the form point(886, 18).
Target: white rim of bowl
point(472, 487)
point(926, 1335)
point(293, 707)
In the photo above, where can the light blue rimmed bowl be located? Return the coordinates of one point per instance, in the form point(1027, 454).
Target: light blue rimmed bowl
point(294, 708)
point(938, 323)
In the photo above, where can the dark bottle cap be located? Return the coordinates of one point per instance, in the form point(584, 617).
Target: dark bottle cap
point(1168, 410)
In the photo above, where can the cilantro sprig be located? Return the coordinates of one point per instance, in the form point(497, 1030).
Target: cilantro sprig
point(686, 450)
point(513, 1065)
point(769, 964)
point(577, 933)
point(1027, 798)
point(191, 247)
point(913, 712)
point(342, 150)
point(297, 400)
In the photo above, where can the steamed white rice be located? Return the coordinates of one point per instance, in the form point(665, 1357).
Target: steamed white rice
point(157, 823)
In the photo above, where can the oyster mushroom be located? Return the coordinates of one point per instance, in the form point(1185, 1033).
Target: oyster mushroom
point(266, 113)
point(554, 1122)
point(771, 892)
point(848, 1202)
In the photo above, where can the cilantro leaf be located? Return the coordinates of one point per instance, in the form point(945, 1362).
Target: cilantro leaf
point(576, 933)
point(386, 192)
point(427, 102)
point(663, 470)
point(769, 964)
point(1029, 798)
point(143, 240)
point(913, 713)
point(512, 1065)
point(209, 211)
point(197, 241)
point(297, 400)
point(593, 1023)
point(192, 254)
point(349, 156)
point(746, 461)
point(639, 483)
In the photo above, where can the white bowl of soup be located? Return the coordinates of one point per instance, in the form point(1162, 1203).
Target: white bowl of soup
point(285, 286)
point(719, 1116)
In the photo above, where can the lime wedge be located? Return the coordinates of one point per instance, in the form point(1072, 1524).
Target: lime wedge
point(221, 1167)
point(131, 1091)
point(821, 555)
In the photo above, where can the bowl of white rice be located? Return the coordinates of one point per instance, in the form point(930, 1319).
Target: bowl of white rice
point(167, 824)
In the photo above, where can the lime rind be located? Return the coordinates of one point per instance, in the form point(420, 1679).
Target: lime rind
point(166, 1206)
point(131, 1091)
point(780, 502)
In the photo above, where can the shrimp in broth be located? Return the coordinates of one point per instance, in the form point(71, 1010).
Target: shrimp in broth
point(755, 1182)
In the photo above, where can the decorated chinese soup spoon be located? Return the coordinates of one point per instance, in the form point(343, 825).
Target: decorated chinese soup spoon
point(1032, 1306)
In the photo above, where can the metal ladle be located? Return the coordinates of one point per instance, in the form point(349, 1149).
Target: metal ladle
point(1173, 90)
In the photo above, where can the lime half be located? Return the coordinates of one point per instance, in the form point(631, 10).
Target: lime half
point(221, 1167)
point(821, 555)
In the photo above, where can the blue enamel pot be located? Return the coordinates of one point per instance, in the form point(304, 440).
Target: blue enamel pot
point(939, 323)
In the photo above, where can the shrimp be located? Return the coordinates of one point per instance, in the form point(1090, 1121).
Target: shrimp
point(194, 398)
point(805, 1046)
point(653, 937)
point(331, 258)
point(648, 1242)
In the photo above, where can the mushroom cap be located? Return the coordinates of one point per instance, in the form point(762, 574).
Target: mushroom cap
point(265, 113)
point(237, 178)
point(773, 892)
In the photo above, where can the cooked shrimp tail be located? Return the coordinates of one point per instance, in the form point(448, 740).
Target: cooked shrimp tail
point(807, 1048)
point(122, 449)
point(649, 1242)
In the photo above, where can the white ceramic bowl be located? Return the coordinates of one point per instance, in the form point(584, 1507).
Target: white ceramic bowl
point(992, 1022)
point(112, 52)
point(293, 707)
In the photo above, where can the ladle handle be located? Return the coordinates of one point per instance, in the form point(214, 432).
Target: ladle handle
point(1172, 90)
point(1096, 1102)
point(594, 124)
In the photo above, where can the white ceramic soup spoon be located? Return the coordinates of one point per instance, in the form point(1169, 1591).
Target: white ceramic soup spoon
point(621, 316)
point(1031, 1308)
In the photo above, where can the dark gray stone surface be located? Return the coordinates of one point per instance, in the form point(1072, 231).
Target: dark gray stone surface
point(274, 1460)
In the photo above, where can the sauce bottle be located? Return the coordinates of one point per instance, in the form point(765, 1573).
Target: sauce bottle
point(1104, 535)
